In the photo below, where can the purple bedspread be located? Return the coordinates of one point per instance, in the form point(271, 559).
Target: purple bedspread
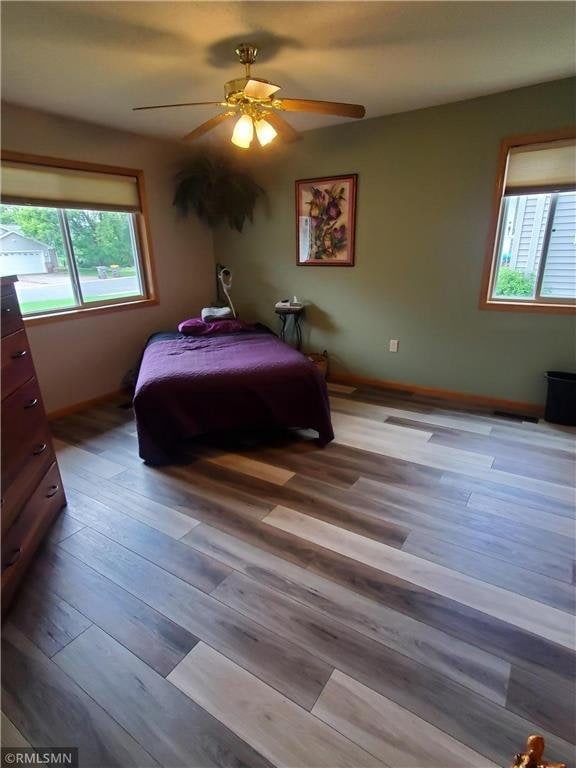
point(190, 386)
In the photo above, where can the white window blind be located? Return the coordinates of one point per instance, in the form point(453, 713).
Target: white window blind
point(541, 168)
point(25, 183)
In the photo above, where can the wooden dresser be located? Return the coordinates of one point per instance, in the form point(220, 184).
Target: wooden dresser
point(32, 493)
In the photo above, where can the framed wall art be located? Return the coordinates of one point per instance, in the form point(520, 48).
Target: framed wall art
point(326, 221)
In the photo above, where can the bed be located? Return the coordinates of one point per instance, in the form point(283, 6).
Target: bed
point(190, 386)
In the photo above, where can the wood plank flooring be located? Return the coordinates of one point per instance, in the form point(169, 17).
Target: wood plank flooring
point(403, 598)
point(385, 729)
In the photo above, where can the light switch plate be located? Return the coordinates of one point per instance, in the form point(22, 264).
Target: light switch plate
point(393, 345)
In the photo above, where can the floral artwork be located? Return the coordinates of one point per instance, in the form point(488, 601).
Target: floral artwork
point(325, 221)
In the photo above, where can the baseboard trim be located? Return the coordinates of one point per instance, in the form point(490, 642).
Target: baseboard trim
point(85, 404)
point(480, 401)
point(462, 398)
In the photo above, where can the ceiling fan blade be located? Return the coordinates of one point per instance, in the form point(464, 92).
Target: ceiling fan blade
point(284, 129)
point(260, 89)
point(184, 104)
point(324, 107)
point(207, 126)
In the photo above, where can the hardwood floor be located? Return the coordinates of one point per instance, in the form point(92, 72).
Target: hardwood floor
point(404, 597)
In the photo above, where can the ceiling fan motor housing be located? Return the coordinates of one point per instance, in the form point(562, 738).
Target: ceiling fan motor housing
point(249, 89)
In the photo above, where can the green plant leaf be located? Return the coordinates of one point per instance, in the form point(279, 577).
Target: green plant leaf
point(217, 192)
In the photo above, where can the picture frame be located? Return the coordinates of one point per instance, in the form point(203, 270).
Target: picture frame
point(326, 221)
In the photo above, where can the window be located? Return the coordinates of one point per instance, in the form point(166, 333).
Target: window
point(74, 236)
point(531, 264)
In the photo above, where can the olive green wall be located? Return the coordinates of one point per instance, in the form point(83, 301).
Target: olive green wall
point(424, 201)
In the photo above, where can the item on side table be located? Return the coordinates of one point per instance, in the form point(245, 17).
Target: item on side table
point(287, 304)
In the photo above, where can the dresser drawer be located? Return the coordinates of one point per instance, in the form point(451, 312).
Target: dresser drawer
point(22, 539)
point(24, 430)
point(17, 365)
point(15, 495)
point(11, 319)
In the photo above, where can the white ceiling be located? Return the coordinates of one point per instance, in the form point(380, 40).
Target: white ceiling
point(95, 60)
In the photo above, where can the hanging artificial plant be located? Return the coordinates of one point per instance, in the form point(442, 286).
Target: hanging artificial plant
point(217, 192)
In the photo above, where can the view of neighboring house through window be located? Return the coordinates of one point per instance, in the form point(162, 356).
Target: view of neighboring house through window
point(535, 251)
point(66, 258)
point(72, 237)
point(538, 239)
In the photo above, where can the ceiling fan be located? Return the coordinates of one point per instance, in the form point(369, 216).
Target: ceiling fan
point(254, 102)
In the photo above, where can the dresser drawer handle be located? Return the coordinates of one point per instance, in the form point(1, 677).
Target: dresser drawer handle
point(6, 309)
point(32, 403)
point(39, 449)
point(53, 491)
point(14, 556)
point(18, 355)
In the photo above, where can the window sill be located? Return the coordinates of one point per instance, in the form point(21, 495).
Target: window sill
point(78, 312)
point(522, 306)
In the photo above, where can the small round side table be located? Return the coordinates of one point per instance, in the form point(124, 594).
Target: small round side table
point(296, 314)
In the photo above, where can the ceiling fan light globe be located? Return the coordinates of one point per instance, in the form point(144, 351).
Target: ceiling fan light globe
point(265, 132)
point(243, 132)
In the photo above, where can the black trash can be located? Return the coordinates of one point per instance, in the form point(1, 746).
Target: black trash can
point(561, 399)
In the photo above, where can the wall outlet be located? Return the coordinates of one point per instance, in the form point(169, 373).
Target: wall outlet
point(393, 345)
